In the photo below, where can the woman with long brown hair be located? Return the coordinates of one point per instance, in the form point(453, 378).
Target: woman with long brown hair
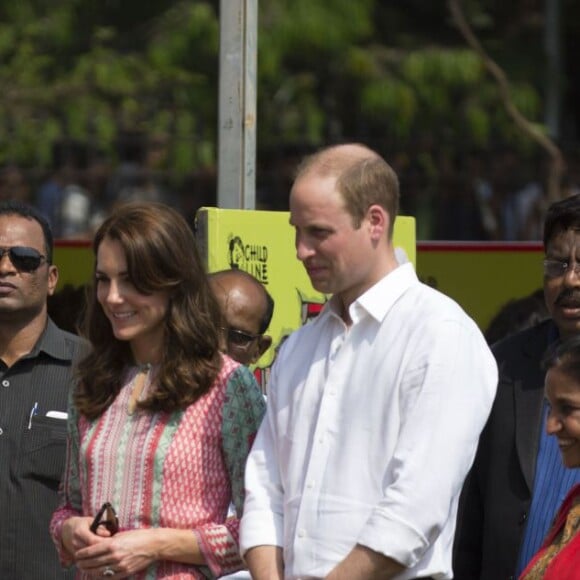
point(161, 422)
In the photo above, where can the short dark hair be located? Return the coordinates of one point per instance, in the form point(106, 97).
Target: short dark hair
point(561, 216)
point(565, 356)
point(25, 210)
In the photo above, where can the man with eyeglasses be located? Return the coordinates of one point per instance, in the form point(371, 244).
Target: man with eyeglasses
point(247, 308)
point(36, 360)
point(518, 479)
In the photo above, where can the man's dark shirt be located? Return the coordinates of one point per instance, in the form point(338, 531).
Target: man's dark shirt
point(32, 453)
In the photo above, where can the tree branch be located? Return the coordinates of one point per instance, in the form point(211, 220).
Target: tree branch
point(556, 158)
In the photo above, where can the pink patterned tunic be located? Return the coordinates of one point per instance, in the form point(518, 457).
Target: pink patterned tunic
point(178, 470)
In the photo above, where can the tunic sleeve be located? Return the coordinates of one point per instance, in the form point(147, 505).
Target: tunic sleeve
point(243, 410)
point(70, 502)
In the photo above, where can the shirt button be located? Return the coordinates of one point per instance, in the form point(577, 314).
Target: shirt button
point(1, 431)
point(5, 383)
point(301, 533)
point(523, 518)
point(310, 484)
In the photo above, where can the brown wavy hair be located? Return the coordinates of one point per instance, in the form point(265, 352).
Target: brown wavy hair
point(161, 255)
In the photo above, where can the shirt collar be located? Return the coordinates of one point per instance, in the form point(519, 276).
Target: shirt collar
point(52, 342)
point(378, 299)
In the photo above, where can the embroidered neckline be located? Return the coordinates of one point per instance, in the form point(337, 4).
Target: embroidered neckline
point(144, 368)
point(139, 384)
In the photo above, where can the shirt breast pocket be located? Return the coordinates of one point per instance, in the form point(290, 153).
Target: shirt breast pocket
point(44, 449)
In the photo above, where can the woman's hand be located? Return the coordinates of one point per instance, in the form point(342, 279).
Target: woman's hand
point(76, 534)
point(125, 553)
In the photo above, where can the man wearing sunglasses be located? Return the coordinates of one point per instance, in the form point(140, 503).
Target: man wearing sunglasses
point(247, 308)
point(36, 360)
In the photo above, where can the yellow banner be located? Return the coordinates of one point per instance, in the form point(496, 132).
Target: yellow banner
point(481, 277)
point(75, 262)
point(262, 243)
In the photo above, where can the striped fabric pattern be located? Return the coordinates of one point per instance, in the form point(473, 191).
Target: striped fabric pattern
point(169, 470)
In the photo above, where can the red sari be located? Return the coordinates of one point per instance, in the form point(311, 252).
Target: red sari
point(559, 556)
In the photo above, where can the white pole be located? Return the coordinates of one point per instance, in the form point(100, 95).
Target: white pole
point(236, 182)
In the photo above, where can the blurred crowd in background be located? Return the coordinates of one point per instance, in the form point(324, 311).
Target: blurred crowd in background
point(479, 195)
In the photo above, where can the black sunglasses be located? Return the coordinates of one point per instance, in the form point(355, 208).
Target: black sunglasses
point(239, 338)
point(23, 258)
point(107, 518)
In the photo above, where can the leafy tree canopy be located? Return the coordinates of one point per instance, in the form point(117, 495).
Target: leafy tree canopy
point(384, 72)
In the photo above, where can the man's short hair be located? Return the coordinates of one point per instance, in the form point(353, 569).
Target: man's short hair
point(562, 215)
point(19, 208)
point(363, 177)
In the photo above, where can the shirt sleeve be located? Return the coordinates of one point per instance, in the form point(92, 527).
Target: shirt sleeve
point(243, 410)
point(70, 502)
point(447, 392)
point(262, 522)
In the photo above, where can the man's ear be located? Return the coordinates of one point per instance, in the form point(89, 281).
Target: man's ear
point(264, 344)
point(52, 279)
point(378, 220)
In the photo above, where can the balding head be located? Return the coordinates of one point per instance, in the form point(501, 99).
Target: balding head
point(247, 310)
point(335, 160)
point(363, 178)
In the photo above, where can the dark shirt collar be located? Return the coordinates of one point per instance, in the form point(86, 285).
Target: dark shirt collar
point(52, 342)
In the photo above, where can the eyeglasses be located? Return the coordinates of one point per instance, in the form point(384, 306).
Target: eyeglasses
point(557, 268)
point(239, 339)
point(107, 518)
point(23, 258)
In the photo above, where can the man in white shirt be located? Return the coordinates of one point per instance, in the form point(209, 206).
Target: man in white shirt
point(374, 408)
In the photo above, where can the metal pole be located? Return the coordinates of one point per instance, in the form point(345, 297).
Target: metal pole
point(237, 104)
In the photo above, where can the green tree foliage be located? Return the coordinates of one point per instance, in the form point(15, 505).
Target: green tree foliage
point(71, 72)
point(329, 70)
point(388, 71)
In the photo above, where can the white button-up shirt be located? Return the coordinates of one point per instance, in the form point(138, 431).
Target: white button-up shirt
point(370, 432)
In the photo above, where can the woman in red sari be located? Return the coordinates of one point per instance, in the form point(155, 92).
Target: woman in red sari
point(559, 556)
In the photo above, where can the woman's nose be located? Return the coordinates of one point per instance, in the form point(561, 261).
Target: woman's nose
point(553, 423)
point(114, 294)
